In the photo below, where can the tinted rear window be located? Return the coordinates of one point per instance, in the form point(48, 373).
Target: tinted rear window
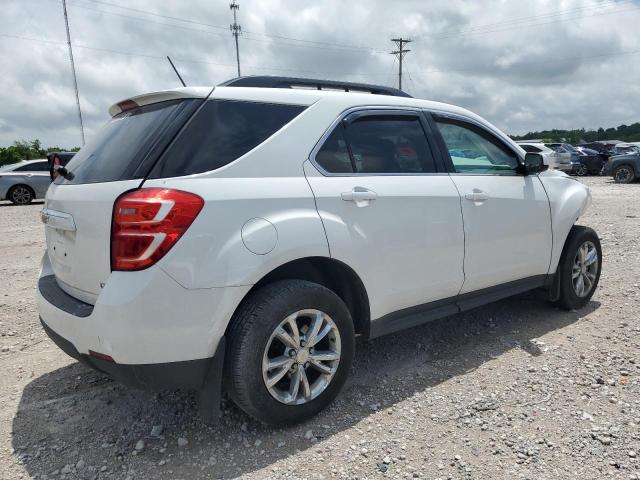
point(221, 132)
point(530, 149)
point(34, 167)
point(126, 147)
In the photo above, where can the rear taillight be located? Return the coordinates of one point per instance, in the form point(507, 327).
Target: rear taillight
point(147, 223)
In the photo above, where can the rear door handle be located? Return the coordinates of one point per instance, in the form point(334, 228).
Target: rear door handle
point(360, 195)
point(477, 196)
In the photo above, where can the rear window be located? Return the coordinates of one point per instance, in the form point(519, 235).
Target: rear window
point(128, 145)
point(530, 149)
point(221, 132)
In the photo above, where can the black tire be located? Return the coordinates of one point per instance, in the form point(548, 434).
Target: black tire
point(568, 298)
point(251, 329)
point(624, 174)
point(21, 195)
point(582, 171)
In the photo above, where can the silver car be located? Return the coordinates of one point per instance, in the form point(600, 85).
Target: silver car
point(24, 181)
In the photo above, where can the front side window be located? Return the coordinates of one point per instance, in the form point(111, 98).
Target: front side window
point(377, 144)
point(475, 152)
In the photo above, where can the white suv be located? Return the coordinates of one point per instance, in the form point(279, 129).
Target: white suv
point(241, 237)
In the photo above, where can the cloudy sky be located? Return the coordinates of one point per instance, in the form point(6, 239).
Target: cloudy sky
point(522, 65)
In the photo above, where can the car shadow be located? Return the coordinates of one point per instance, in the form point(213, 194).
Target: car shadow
point(74, 414)
point(10, 204)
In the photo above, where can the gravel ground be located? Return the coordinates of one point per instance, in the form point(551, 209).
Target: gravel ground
point(516, 389)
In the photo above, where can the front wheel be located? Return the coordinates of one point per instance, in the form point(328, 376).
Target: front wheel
point(291, 344)
point(582, 171)
point(624, 174)
point(579, 268)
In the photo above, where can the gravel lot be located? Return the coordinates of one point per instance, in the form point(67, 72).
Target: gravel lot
point(516, 389)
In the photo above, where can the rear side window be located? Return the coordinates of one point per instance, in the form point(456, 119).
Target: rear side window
point(126, 147)
point(334, 154)
point(34, 167)
point(221, 132)
point(378, 144)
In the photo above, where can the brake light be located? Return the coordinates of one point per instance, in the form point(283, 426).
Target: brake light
point(127, 105)
point(147, 223)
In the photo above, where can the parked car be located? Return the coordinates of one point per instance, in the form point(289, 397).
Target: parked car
point(568, 152)
point(591, 161)
point(57, 160)
point(551, 158)
point(24, 181)
point(625, 149)
point(240, 238)
point(623, 168)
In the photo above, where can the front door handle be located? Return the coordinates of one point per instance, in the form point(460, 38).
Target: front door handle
point(360, 195)
point(477, 196)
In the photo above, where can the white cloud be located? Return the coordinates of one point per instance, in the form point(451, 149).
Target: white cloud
point(523, 65)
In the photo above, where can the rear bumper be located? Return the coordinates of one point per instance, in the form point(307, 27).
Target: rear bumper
point(189, 374)
point(139, 318)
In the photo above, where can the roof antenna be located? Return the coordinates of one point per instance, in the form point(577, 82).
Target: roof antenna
point(176, 70)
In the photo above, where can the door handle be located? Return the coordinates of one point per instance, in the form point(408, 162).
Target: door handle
point(477, 196)
point(362, 196)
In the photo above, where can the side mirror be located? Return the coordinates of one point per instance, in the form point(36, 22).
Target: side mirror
point(534, 163)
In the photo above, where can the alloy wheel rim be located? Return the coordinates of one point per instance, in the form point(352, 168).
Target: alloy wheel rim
point(301, 357)
point(623, 173)
point(21, 195)
point(585, 269)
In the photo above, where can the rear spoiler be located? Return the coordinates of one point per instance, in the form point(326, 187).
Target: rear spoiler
point(157, 97)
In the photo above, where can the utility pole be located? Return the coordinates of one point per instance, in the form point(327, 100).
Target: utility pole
point(73, 69)
point(400, 53)
point(236, 30)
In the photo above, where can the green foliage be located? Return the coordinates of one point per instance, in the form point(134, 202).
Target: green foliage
point(624, 133)
point(24, 150)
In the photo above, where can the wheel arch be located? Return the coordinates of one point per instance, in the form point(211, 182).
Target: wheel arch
point(568, 200)
point(332, 274)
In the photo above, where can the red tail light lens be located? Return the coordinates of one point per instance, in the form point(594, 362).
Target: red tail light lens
point(147, 223)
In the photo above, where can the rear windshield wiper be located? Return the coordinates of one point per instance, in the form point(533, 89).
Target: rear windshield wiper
point(66, 174)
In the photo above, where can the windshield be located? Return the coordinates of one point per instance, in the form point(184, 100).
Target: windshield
point(10, 167)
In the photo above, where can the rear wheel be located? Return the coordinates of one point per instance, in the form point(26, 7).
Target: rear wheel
point(579, 268)
point(624, 174)
point(291, 345)
point(21, 195)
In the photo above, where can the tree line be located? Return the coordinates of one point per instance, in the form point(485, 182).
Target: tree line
point(624, 133)
point(28, 150)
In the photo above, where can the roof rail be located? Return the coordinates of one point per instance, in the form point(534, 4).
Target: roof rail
point(268, 81)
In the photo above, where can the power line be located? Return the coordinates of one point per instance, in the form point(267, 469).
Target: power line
point(188, 60)
point(508, 27)
point(236, 30)
point(310, 43)
point(73, 68)
point(400, 53)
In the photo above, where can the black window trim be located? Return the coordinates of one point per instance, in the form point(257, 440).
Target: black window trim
point(475, 126)
point(373, 111)
point(194, 114)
